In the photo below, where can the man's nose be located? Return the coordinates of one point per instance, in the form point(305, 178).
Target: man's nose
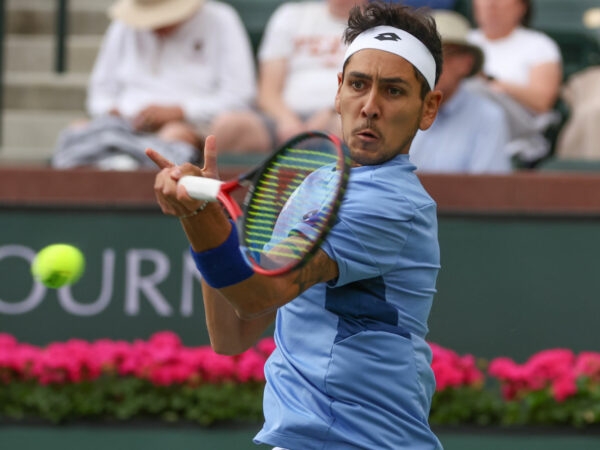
point(371, 108)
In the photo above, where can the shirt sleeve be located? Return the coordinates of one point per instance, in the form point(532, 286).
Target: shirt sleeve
point(103, 87)
point(360, 241)
point(235, 67)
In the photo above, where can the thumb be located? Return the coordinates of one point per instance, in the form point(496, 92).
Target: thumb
point(210, 168)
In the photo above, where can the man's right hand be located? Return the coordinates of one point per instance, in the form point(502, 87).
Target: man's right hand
point(172, 198)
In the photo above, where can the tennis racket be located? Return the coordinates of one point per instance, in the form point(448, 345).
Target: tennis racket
point(291, 202)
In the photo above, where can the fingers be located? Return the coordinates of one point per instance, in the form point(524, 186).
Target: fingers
point(160, 161)
point(210, 157)
point(172, 198)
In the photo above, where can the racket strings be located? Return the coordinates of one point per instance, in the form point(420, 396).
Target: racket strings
point(281, 200)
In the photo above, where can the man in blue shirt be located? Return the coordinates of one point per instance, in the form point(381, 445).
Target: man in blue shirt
point(351, 369)
point(471, 132)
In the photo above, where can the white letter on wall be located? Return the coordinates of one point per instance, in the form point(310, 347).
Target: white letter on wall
point(189, 274)
point(136, 283)
point(37, 292)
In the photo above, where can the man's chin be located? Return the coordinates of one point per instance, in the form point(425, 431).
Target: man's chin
point(367, 159)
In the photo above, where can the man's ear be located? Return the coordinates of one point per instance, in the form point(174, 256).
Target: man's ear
point(431, 105)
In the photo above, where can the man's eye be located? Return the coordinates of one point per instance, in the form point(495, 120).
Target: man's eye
point(357, 84)
point(395, 91)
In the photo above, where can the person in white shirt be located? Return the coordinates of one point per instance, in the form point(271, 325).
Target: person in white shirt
point(523, 72)
point(167, 68)
point(299, 57)
point(470, 132)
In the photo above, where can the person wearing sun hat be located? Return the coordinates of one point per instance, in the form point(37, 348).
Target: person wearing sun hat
point(152, 14)
point(165, 69)
point(470, 132)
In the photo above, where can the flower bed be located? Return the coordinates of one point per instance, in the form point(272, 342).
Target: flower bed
point(162, 379)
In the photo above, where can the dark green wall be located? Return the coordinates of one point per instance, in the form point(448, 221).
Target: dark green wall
point(508, 286)
point(515, 286)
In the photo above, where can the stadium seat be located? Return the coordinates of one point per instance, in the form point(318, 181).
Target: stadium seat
point(255, 14)
point(563, 21)
point(579, 49)
point(555, 164)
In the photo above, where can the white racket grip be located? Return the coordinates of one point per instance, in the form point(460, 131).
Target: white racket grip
point(201, 188)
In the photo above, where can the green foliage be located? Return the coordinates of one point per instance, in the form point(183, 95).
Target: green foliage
point(466, 406)
point(122, 399)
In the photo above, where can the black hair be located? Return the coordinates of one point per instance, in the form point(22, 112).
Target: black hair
point(414, 21)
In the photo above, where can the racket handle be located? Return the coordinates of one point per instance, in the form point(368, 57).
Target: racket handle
point(201, 188)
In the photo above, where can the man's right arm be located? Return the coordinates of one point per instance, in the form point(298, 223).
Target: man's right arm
point(238, 315)
point(229, 334)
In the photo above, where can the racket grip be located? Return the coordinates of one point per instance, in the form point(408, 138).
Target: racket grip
point(201, 188)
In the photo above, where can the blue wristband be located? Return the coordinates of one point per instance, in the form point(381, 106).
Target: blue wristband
point(224, 265)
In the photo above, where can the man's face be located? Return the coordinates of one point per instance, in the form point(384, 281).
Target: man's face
point(498, 16)
point(379, 100)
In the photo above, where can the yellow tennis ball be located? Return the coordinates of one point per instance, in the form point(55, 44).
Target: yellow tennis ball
point(57, 265)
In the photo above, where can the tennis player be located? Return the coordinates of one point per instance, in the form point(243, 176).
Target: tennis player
point(352, 368)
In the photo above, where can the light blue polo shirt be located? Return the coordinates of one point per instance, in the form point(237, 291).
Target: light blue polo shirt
point(352, 368)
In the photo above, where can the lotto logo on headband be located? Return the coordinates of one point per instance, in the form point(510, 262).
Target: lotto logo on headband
point(387, 37)
point(399, 42)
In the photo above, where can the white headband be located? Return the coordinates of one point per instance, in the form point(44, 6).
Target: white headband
point(399, 42)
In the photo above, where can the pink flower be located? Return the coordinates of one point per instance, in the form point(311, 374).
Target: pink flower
point(23, 359)
point(165, 339)
point(504, 369)
point(552, 369)
point(564, 386)
point(250, 366)
point(588, 364)
point(452, 370)
point(172, 374)
point(446, 376)
point(266, 346)
point(110, 355)
point(218, 368)
point(7, 341)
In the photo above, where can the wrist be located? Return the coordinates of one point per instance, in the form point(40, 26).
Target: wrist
point(224, 265)
point(195, 212)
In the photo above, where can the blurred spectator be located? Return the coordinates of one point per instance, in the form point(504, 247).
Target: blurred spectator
point(166, 68)
point(434, 4)
point(299, 57)
point(523, 72)
point(470, 132)
point(579, 137)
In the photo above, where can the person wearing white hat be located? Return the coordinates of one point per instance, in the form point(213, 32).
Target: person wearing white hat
point(167, 68)
point(153, 14)
point(470, 132)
